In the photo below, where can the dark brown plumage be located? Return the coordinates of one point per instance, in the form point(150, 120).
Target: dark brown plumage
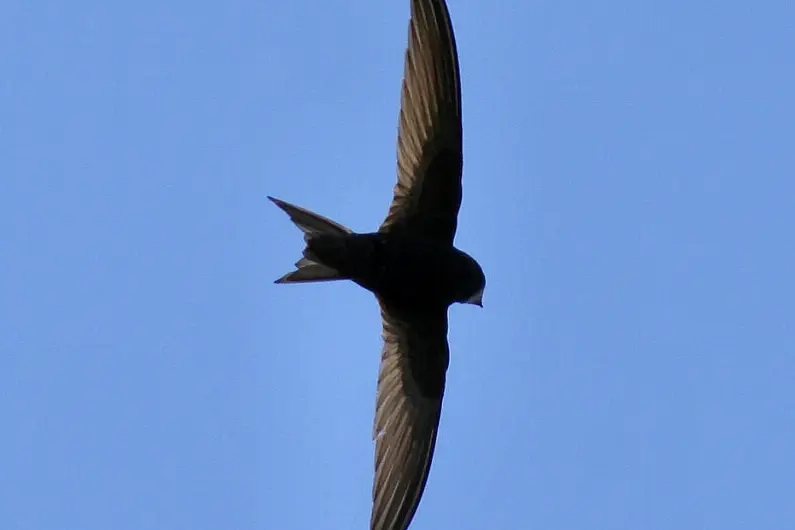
point(410, 264)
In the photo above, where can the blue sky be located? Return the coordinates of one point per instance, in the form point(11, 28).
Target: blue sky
point(629, 188)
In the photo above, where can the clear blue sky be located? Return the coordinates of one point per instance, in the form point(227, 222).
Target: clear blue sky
point(629, 188)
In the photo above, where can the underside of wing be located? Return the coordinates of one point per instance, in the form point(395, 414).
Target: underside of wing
point(408, 406)
point(427, 195)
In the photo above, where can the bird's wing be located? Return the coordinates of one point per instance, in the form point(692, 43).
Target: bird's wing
point(427, 195)
point(408, 405)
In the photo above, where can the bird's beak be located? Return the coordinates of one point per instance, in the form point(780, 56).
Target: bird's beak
point(476, 299)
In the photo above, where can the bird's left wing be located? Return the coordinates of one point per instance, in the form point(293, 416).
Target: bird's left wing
point(408, 406)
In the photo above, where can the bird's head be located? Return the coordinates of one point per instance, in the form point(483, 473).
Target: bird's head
point(472, 281)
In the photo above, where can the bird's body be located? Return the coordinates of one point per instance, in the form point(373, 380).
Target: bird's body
point(404, 271)
point(410, 264)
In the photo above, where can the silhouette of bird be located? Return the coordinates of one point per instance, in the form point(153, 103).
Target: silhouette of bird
point(410, 264)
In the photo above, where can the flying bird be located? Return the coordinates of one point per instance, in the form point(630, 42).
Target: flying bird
point(410, 264)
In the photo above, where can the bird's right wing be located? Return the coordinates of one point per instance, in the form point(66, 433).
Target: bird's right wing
point(408, 406)
point(427, 195)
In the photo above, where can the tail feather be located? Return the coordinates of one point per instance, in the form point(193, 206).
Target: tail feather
point(309, 268)
point(310, 223)
point(310, 272)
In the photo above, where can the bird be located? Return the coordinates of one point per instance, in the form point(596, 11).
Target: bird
point(410, 264)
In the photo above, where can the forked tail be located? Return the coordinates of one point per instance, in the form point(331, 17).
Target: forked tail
point(323, 236)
